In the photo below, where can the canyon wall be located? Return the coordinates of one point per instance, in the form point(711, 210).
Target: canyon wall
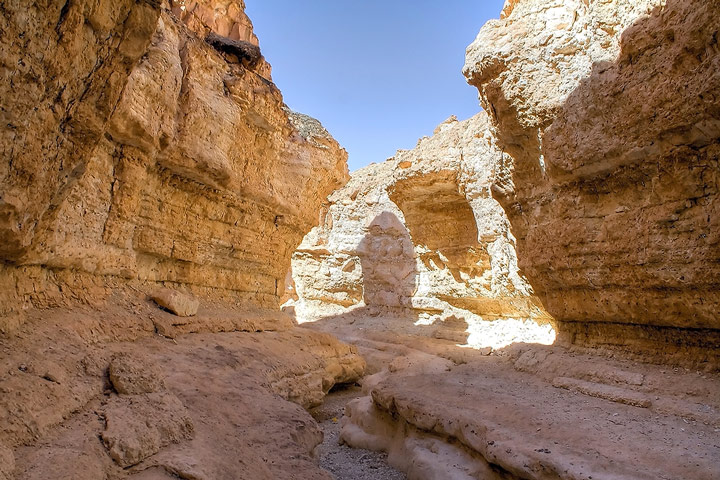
point(419, 235)
point(144, 143)
point(607, 114)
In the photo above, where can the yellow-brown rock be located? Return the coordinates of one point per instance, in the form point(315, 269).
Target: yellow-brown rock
point(136, 152)
point(608, 118)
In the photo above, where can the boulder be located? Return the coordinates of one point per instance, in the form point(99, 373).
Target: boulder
point(181, 304)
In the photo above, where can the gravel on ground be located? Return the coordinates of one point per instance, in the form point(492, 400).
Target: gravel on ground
point(343, 462)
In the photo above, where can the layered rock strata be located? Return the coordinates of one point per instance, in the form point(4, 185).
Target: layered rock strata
point(420, 236)
point(144, 145)
point(608, 119)
point(138, 149)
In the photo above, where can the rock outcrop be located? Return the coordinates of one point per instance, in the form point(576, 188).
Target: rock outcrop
point(608, 119)
point(143, 145)
point(139, 149)
point(420, 235)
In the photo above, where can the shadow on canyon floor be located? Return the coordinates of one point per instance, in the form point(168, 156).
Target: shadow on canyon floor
point(387, 321)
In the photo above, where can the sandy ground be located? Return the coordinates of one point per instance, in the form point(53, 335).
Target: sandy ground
point(344, 462)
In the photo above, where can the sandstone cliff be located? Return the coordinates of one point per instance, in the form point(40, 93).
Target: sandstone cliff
point(137, 149)
point(143, 143)
point(420, 234)
point(608, 119)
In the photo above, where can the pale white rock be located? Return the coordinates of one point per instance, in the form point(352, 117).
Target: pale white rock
point(420, 235)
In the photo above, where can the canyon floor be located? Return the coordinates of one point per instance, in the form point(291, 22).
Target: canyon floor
point(135, 392)
point(203, 398)
point(526, 411)
point(344, 462)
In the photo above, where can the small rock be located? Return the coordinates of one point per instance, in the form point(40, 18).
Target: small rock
point(181, 304)
point(51, 371)
point(131, 375)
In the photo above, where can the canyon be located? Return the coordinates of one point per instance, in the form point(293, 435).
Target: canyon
point(194, 286)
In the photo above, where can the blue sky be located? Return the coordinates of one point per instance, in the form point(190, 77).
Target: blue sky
point(379, 74)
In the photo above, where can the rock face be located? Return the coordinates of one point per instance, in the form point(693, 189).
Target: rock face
point(144, 145)
point(135, 151)
point(608, 119)
point(420, 234)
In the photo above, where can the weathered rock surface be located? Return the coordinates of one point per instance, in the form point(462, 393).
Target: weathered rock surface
point(526, 411)
point(181, 304)
point(209, 405)
point(134, 375)
point(139, 426)
point(134, 152)
point(7, 462)
point(420, 235)
point(524, 426)
point(608, 119)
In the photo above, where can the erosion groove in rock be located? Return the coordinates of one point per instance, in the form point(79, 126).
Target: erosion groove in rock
point(419, 236)
point(164, 159)
point(608, 119)
point(526, 428)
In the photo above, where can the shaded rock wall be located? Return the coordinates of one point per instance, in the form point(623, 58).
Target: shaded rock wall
point(608, 119)
point(420, 234)
point(135, 151)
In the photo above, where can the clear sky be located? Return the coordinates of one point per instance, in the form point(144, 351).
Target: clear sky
point(379, 74)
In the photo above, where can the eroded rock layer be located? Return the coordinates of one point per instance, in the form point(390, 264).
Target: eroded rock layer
point(421, 234)
point(608, 119)
point(144, 145)
point(140, 149)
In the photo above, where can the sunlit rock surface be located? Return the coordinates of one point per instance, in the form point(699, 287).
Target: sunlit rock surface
point(134, 151)
point(608, 119)
point(419, 236)
point(143, 144)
